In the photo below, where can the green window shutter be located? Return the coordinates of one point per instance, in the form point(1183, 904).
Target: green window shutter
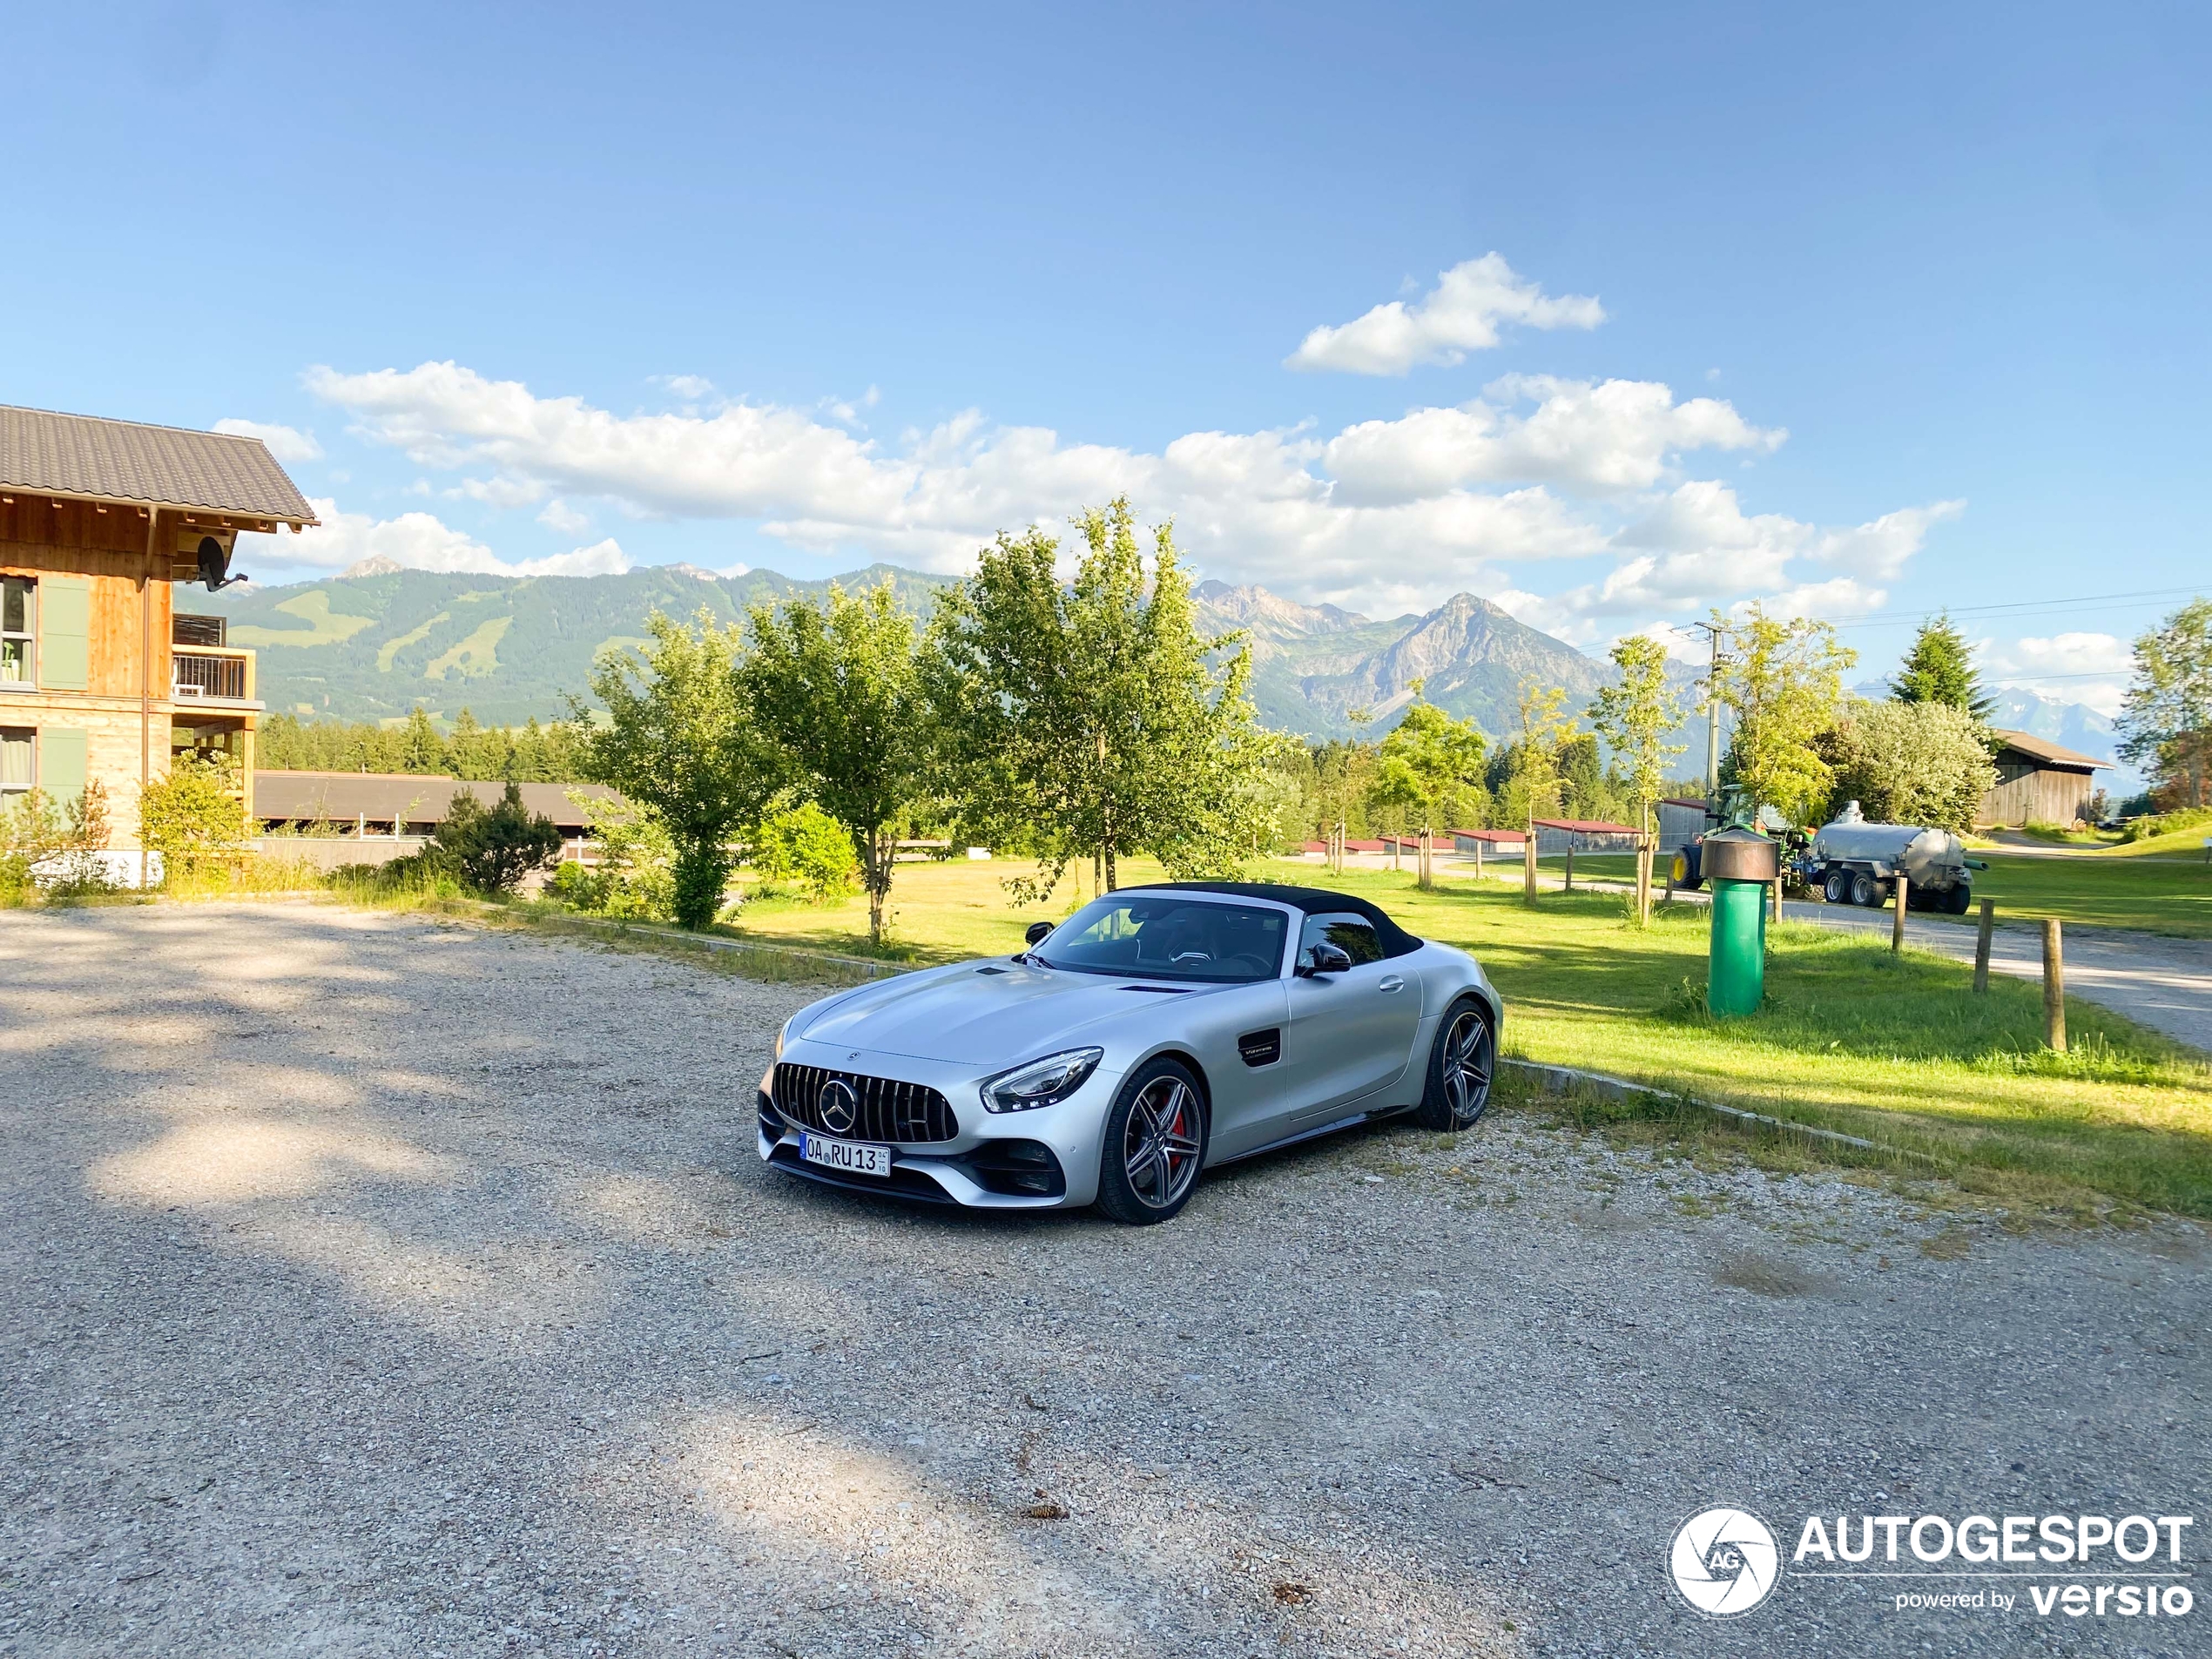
point(65, 636)
point(63, 765)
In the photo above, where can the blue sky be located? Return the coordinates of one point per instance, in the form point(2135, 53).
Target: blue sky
point(1865, 313)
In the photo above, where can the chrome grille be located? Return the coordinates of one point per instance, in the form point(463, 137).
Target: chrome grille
point(888, 1110)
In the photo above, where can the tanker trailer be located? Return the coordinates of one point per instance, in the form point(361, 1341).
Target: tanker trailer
point(1852, 861)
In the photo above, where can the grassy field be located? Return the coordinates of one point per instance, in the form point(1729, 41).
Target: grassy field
point(2104, 889)
point(2118, 887)
point(1895, 1048)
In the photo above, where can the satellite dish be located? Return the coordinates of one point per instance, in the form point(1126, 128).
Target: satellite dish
point(212, 562)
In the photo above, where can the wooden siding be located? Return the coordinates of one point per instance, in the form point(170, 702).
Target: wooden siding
point(124, 733)
point(2029, 794)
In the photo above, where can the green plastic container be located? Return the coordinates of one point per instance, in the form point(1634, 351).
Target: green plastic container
point(1740, 866)
point(1736, 976)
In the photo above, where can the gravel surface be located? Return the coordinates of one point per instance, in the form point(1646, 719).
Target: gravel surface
point(376, 1286)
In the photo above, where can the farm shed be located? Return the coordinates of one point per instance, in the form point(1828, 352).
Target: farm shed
point(2038, 782)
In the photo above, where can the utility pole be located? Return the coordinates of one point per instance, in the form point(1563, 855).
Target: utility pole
point(1715, 633)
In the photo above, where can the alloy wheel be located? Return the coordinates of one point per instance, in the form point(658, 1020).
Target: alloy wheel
point(1160, 1146)
point(1469, 1058)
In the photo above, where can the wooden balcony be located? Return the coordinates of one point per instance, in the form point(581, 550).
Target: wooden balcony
point(212, 677)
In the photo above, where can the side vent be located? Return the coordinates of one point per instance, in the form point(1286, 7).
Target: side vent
point(1261, 1048)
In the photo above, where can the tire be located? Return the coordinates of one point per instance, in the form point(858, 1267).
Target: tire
point(1688, 874)
point(1957, 900)
point(1461, 1064)
point(1836, 888)
point(1154, 1146)
point(1865, 890)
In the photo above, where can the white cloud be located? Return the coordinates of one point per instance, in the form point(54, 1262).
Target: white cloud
point(1880, 549)
point(419, 541)
point(695, 388)
point(2089, 668)
point(286, 443)
point(1249, 506)
point(2073, 653)
point(1382, 514)
point(1841, 596)
point(1460, 314)
point(563, 519)
point(1611, 436)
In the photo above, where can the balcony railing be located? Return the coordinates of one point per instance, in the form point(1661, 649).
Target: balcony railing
point(199, 675)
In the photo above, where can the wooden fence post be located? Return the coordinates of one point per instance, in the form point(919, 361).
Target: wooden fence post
point(1478, 861)
point(1529, 869)
point(1643, 881)
point(1982, 933)
point(1570, 865)
point(2053, 986)
point(1897, 923)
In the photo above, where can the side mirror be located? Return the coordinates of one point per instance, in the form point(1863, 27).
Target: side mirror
point(1038, 932)
point(1324, 958)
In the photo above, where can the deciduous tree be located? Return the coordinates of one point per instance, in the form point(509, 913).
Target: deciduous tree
point(1634, 716)
point(1427, 756)
point(1909, 762)
point(2167, 717)
point(835, 686)
point(1092, 718)
point(1784, 682)
point(677, 738)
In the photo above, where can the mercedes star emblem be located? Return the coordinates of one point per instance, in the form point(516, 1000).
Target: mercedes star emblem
point(839, 1106)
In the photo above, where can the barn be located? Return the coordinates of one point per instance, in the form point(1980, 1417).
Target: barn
point(2038, 782)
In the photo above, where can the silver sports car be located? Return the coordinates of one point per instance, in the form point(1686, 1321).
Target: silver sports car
point(1157, 1032)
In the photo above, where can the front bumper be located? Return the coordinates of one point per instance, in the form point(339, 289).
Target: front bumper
point(1043, 1159)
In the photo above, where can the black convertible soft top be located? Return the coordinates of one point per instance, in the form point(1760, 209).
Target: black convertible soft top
point(1396, 942)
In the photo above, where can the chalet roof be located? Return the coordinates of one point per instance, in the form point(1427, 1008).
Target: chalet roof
point(342, 797)
point(2044, 752)
point(88, 459)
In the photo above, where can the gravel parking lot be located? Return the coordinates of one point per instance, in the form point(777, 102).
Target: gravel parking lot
point(380, 1287)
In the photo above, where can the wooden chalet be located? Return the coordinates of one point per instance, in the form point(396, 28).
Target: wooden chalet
point(103, 675)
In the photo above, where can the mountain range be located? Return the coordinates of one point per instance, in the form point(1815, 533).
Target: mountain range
point(373, 642)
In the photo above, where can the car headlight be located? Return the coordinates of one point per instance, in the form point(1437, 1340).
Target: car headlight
point(1041, 1082)
point(782, 1031)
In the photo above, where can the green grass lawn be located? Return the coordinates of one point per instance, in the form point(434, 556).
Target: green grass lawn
point(2103, 889)
point(1892, 1047)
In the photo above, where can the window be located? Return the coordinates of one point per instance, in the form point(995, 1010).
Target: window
point(1352, 935)
point(1169, 939)
point(16, 774)
point(18, 627)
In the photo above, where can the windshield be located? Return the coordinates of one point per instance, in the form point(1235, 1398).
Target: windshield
point(1150, 937)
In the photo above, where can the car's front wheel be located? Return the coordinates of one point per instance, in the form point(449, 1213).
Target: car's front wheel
point(1154, 1141)
point(1460, 1068)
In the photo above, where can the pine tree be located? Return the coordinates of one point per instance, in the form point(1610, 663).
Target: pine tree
point(1940, 669)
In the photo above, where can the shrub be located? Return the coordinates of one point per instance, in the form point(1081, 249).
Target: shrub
point(493, 851)
point(2144, 829)
point(1909, 762)
point(191, 818)
point(806, 845)
point(57, 850)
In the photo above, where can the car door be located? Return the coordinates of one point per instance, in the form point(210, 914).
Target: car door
point(1349, 1034)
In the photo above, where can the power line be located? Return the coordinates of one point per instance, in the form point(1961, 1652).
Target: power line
point(2100, 601)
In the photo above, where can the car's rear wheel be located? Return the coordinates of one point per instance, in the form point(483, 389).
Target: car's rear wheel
point(1154, 1142)
point(1460, 1066)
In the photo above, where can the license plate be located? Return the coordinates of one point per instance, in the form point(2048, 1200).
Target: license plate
point(853, 1157)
